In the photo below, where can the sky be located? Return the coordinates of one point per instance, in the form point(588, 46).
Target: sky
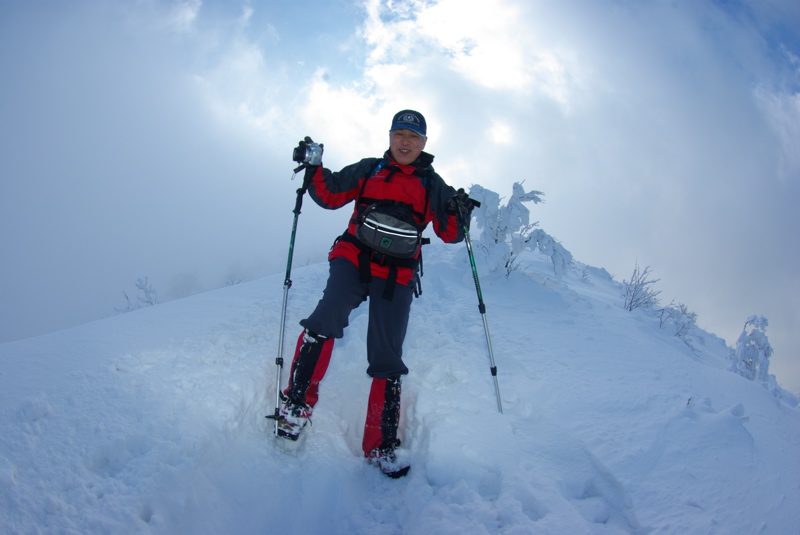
point(153, 139)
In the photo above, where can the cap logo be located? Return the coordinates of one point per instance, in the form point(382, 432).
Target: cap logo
point(409, 118)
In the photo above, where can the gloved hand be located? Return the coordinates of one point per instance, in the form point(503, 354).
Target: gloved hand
point(308, 152)
point(461, 205)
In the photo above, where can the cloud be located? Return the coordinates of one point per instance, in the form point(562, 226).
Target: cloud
point(661, 132)
point(154, 138)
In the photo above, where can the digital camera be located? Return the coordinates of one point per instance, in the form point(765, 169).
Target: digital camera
point(308, 152)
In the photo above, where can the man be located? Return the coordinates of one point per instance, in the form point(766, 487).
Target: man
point(378, 261)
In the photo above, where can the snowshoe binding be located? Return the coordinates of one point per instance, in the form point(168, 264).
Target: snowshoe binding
point(392, 460)
point(292, 418)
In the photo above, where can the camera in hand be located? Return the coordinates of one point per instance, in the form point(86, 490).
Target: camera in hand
point(308, 152)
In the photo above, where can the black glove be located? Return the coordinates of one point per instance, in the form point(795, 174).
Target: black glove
point(461, 205)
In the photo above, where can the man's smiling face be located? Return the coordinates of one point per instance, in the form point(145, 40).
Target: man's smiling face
point(406, 146)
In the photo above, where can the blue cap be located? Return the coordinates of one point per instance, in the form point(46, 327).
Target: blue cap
point(409, 120)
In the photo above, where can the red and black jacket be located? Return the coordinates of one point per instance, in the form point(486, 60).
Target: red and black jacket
point(417, 185)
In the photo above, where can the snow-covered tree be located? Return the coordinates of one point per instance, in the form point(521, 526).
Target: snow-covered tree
point(147, 296)
point(233, 280)
point(679, 317)
point(638, 292)
point(750, 357)
point(560, 257)
point(507, 230)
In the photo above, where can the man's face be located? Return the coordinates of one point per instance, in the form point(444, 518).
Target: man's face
point(406, 146)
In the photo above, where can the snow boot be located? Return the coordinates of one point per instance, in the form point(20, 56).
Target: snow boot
point(292, 419)
point(392, 460)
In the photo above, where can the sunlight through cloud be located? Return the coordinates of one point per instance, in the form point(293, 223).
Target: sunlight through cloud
point(501, 133)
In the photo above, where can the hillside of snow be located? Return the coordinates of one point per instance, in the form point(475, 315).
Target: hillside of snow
point(153, 421)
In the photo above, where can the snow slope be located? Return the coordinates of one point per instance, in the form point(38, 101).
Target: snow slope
point(153, 421)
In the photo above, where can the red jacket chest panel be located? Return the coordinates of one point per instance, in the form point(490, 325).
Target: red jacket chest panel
point(400, 187)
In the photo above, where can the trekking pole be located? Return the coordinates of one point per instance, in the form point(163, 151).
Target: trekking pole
point(481, 305)
point(287, 283)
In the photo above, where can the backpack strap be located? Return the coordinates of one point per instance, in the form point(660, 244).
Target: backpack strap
point(422, 174)
point(367, 177)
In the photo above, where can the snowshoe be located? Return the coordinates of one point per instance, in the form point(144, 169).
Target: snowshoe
point(292, 419)
point(392, 460)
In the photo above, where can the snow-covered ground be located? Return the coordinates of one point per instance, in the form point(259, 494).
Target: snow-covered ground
point(153, 421)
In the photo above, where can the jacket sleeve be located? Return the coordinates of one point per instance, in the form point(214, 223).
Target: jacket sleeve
point(444, 225)
point(333, 190)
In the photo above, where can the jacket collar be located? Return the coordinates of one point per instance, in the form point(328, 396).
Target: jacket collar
point(423, 161)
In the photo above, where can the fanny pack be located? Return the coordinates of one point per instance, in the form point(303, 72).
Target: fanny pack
point(390, 228)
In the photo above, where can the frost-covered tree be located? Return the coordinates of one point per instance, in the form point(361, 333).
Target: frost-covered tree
point(750, 357)
point(560, 257)
point(507, 230)
point(638, 292)
point(233, 280)
point(147, 296)
point(679, 317)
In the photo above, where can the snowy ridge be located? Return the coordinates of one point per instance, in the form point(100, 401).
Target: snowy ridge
point(153, 421)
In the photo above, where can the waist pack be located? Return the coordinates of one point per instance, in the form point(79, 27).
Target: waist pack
point(390, 228)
